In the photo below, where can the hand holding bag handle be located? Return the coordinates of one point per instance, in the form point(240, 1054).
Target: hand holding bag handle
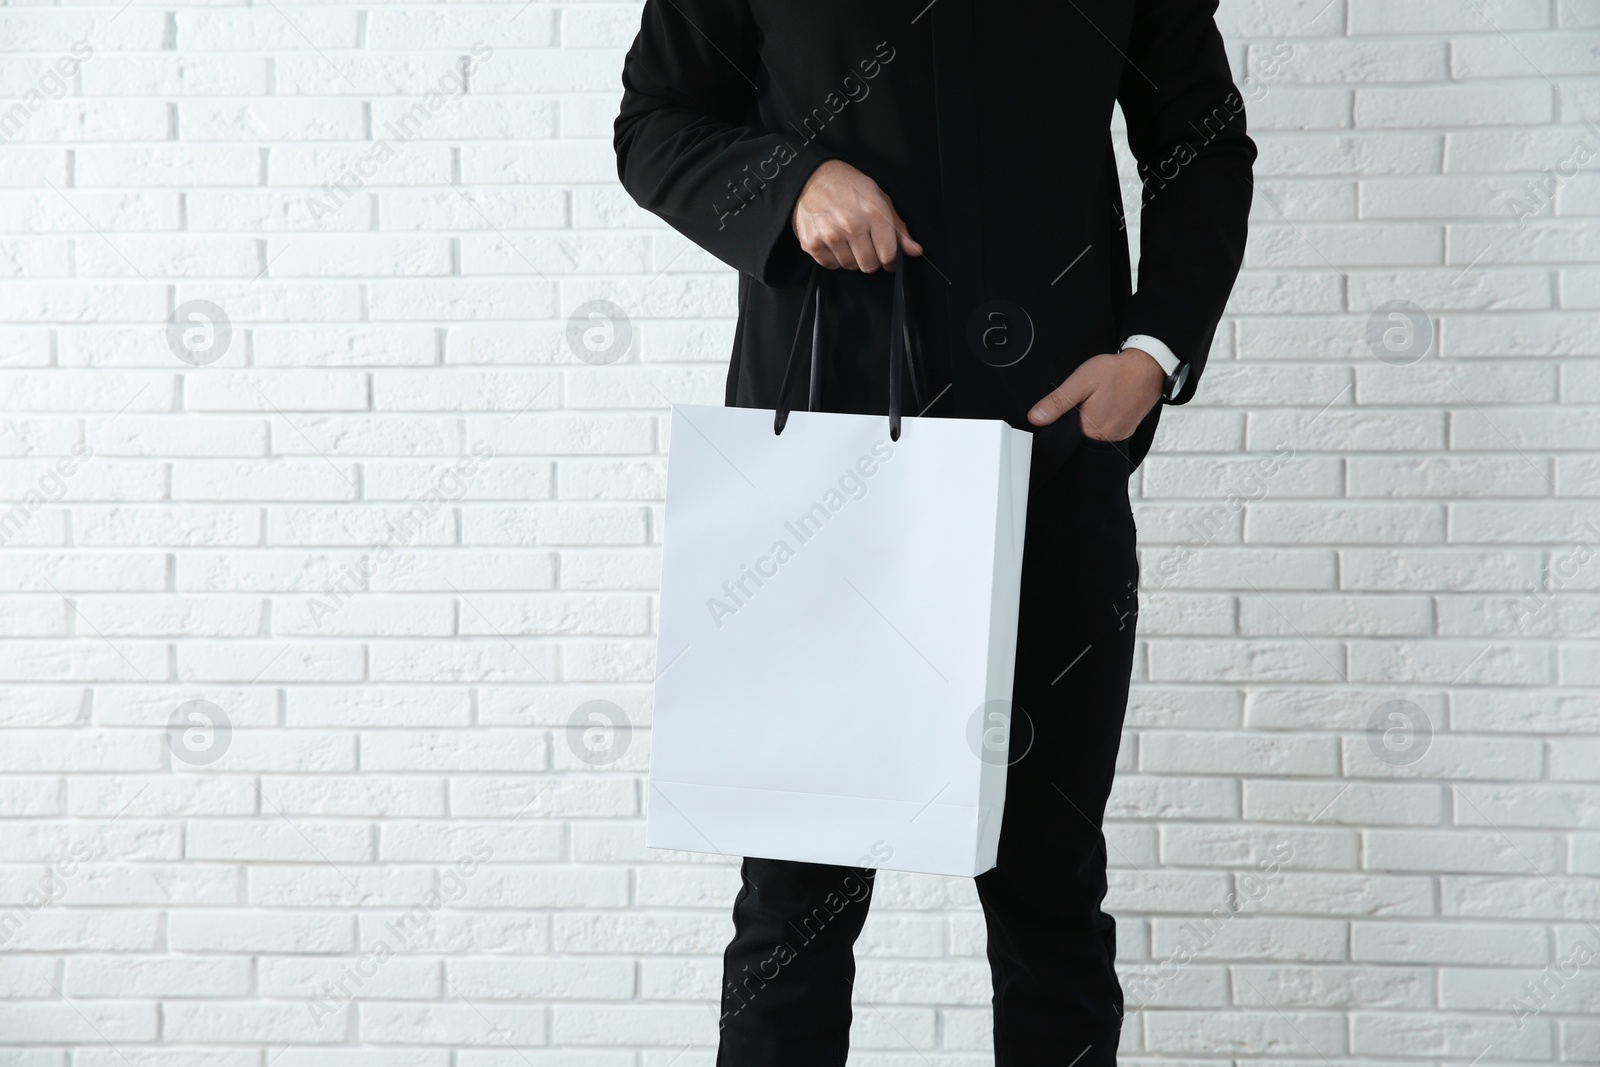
point(899, 345)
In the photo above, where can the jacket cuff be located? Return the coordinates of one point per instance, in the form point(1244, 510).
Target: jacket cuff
point(1157, 348)
point(782, 260)
point(1193, 339)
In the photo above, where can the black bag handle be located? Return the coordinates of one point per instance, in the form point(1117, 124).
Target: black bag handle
point(899, 348)
point(812, 301)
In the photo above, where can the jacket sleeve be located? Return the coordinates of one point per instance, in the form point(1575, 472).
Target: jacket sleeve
point(1186, 128)
point(690, 147)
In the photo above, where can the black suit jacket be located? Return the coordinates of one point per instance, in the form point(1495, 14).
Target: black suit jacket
point(988, 125)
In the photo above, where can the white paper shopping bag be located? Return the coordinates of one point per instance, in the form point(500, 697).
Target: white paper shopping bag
point(838, 626)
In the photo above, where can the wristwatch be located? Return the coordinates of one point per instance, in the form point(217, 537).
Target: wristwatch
point(1177, 370)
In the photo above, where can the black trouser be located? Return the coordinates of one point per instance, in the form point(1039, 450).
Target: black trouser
point(789, 971)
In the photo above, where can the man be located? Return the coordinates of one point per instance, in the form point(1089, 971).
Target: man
point(785, 137)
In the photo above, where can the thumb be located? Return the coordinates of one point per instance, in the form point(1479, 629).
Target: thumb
point(907, 244)
point(1062, 399)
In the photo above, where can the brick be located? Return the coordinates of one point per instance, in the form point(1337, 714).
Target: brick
point(323, 983)
point(1461, 850)
point(1339, 524)
point(1508, 104)
point(1551, 54)
point(454, 1024)
point(1284, 615)
point(1274, 707)
point(1359, 804)
point(1374, 16)
point(121, 976)
point(1254, 659)
point(1220, 1033)
point(1272, 985)
point(221, 931)
point(542, 979)
point(1253, 846)
point(1527, 805)
point(1207, 751)
point(1369, 152)
point(1446, 1034)
point(26, 1024)
point(1467, 943)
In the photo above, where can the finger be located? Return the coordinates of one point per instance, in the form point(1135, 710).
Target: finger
point(817, 250)
point(844, 252)
point(864, 252)
point(885, 239)
point(1062, 399)
point(825, 258)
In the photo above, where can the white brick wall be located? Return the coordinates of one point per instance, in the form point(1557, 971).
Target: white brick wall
point(1330, 538)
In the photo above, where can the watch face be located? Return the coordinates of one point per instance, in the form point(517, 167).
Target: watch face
point(1176, 380)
